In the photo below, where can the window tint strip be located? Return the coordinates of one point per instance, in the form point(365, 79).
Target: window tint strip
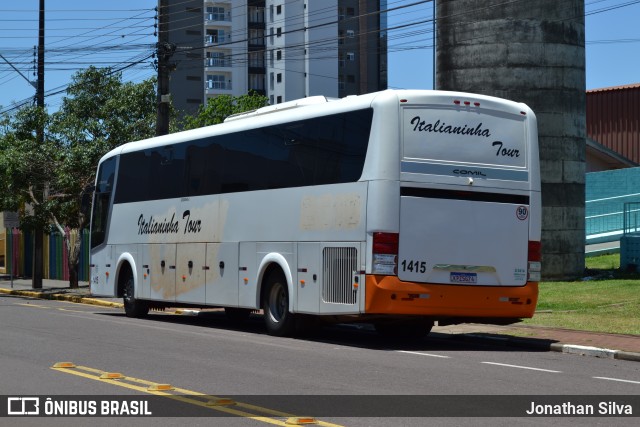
point(474, 196)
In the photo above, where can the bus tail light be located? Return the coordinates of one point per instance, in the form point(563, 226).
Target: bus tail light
point(535, 265)
point(385, 253)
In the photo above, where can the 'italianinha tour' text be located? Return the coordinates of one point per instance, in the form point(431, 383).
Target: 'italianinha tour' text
point(171, 225)
point(420, 125)
point(568, 408)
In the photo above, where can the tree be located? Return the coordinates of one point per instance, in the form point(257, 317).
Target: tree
point(102, 111)
point(221, 107)
point(26, 166)
point(98, 113)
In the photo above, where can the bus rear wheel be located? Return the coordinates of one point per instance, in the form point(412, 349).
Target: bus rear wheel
point(275, 304)
point(132, 306)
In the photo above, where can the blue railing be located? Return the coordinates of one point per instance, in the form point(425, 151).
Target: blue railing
point(606, 195)
point(605, 217)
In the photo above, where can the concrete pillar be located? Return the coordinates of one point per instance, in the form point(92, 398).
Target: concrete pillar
point(531, 52)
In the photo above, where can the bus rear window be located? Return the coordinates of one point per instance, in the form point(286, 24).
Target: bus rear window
point(473, 137)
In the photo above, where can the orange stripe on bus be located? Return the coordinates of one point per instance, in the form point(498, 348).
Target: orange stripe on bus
point(390, 295)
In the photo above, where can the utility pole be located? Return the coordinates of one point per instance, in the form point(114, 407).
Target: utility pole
point(40, 88)
point(38, 241)
point(164, 51)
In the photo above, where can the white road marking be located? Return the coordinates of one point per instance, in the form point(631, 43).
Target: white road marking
point(423, 354)
point(521, 367)
point(617, 379)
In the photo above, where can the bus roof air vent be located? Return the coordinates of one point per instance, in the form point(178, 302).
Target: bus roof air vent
point(302, 102)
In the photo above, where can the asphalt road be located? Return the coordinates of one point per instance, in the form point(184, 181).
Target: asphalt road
point(344, 370)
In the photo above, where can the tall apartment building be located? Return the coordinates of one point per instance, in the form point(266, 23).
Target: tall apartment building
point(284, 49)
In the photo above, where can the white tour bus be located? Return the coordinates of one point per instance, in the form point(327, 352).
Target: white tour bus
point(398, 208)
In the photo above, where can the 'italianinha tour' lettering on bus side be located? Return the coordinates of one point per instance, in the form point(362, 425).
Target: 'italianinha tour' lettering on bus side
point(169, 226)
point(420, 125)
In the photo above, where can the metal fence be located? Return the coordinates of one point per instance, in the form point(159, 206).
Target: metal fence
point(630, 241)
point(19, 255)
point(631, 224)
point(606, 193)
point(605, 217)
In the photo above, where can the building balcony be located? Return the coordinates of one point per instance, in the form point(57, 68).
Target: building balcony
point(259, 91)
point(254, 47)
point(217, 88)
point(213, 18)
point(214, 39)
point(217, 63)
point(256, 15)
point(257, 70)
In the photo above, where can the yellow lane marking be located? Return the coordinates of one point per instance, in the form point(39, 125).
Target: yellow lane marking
point(99, 372)
point(108, 381)
point(142, 386)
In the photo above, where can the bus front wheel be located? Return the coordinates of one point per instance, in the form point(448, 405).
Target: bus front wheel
point(275, 304)
point(132, 306)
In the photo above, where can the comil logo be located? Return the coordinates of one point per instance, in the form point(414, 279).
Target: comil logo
point(23, 406)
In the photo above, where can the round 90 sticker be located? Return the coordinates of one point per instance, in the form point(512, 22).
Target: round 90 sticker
point(522, 212)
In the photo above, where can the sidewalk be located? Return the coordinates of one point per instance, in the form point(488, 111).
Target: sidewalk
point(613, 346)
point(596, 249)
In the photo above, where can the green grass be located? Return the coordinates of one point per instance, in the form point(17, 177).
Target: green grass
point(603, 262)
point(609, 301)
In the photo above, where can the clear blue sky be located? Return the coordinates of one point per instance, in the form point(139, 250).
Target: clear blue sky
point(117, 32)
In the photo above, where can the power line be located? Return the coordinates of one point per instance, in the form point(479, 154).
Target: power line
point(404, 36)
point(61, 56)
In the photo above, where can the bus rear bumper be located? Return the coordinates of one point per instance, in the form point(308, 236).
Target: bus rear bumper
point(389, 295)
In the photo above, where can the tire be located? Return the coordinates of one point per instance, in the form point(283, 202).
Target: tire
point(275, 304)
point(411, 329)
point(132, 306)
point(237, 315)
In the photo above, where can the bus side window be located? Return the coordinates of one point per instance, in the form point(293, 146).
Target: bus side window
point(101, 201)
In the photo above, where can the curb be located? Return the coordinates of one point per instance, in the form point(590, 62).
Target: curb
point(62, 297)
point(556, 347)
point(596, 352)
point(102, 303)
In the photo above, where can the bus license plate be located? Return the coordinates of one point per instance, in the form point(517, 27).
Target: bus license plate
point(463, 278)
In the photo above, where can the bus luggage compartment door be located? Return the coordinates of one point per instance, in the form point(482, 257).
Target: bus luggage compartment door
point(463, 242)
point(222, 274)
point(161, 259)
point(190, 274)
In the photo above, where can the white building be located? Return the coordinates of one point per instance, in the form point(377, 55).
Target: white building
point(284, 49)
